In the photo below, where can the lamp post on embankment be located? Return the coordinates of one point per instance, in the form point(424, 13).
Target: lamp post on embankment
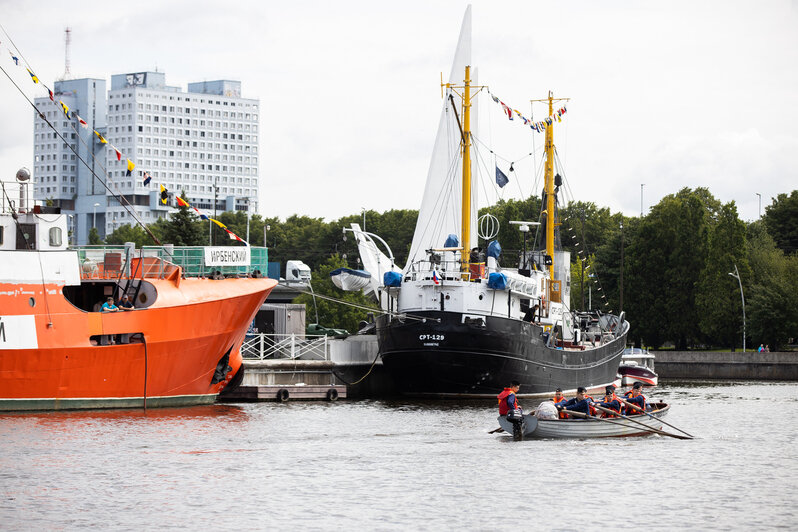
point(736, 275)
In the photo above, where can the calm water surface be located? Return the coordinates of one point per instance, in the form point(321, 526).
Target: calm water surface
point(379, 465)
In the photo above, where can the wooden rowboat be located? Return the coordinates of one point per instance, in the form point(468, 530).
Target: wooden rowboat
point(635, 425)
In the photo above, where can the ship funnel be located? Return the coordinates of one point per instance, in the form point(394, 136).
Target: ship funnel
point(23, 176)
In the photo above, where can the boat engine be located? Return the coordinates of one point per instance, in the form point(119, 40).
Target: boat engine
point(516, 417)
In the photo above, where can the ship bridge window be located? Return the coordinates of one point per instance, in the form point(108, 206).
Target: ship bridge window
point(55, 237)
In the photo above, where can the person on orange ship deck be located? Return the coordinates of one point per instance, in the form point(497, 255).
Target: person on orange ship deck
point(610, 402)
point(109, 306)
point(125, 304)
point(635, 396)
point(580, 403)
point(507, 399)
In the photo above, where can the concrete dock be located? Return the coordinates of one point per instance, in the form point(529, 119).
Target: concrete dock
point(287, 380)
point(727, 365)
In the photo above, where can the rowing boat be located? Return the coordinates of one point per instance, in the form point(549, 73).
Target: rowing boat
point(635, 425)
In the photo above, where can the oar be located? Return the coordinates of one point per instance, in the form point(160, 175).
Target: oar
point(627, 403)
point(612, 412)
point(496, 430)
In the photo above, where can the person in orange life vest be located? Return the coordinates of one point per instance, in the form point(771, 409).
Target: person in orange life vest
point(559, 398)
point(508, 400)
point(610, 402)
point(636, 397)
point(580, 403)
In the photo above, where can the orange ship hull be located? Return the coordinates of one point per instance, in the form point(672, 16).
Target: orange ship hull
point(182, 349)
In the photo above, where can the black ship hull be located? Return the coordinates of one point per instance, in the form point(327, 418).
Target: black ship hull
point(447, 354)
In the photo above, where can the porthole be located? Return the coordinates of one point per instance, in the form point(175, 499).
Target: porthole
point(32, 302)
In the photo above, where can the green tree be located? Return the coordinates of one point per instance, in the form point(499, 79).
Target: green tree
point(717, 298)
point(331, 313)
point(130, 233)
point(771, 290)
point(666, 259)
point(781, 220)
point(181, 229)
point(94, 237)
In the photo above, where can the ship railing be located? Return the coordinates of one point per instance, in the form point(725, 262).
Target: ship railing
point(448, 270)
point(265, 346)
point(115, 262)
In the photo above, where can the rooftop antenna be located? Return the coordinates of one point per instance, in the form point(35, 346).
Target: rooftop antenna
point(67, 43)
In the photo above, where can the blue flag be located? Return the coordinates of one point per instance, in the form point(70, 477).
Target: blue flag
point(501, 179)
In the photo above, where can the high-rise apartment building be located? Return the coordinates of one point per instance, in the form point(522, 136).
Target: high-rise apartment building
point(203, 142)
point(58, 174)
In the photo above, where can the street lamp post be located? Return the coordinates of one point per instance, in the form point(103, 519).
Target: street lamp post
point(760, 204)
point(94, 218)
point(736, 275)
point(620, 304)
point(641, 198)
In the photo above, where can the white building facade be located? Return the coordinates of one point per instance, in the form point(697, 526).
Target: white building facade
point(203, 142)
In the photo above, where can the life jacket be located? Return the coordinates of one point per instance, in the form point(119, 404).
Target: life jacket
point(593, 410)
point(613, 398)
point(502, 397)
point(633, 411)
point(561, 414)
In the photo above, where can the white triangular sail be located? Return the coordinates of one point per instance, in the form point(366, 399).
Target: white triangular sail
point(440, 212)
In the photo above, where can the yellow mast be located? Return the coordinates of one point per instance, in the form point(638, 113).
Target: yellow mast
point(549, 176)
point(466, 206)
point(549, 181)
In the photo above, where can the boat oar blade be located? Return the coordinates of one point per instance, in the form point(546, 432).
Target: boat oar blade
point(642, 425)
point(638, 409)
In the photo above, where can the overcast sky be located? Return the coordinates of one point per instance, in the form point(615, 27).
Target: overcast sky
point(669, 94)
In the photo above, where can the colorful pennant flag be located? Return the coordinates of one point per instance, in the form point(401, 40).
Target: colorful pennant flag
point(32, 75)
point(102, 139)
point(217, 222)
point(130, 167)
point(147, 178)
point(118, 153)
point(52, 96)
point(14, 58)
point(181, 202)
point(82, 122)
point(199, 213)
point(65, 109)
point(232, 235)
point(164, 194)
point(501, 179)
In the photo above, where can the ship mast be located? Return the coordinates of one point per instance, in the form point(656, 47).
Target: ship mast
point(465, 144)
point(466, 206)
point(549, 181)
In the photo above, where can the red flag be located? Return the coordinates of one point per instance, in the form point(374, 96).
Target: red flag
point(181, 202)
point(118, 154)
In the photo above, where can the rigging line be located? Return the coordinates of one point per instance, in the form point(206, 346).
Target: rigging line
point(499, 156)
point(15, 217)
point(126, 204)
point(91, 152)
point(69, 145)
point(562, 170)
point(27, 63)
point(364, 307)
point(500, 192)
point(14, 45)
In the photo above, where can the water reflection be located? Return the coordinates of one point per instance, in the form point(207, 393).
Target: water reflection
point(398, 465)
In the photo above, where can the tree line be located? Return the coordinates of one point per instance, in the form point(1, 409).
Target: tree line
point(669, 270)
